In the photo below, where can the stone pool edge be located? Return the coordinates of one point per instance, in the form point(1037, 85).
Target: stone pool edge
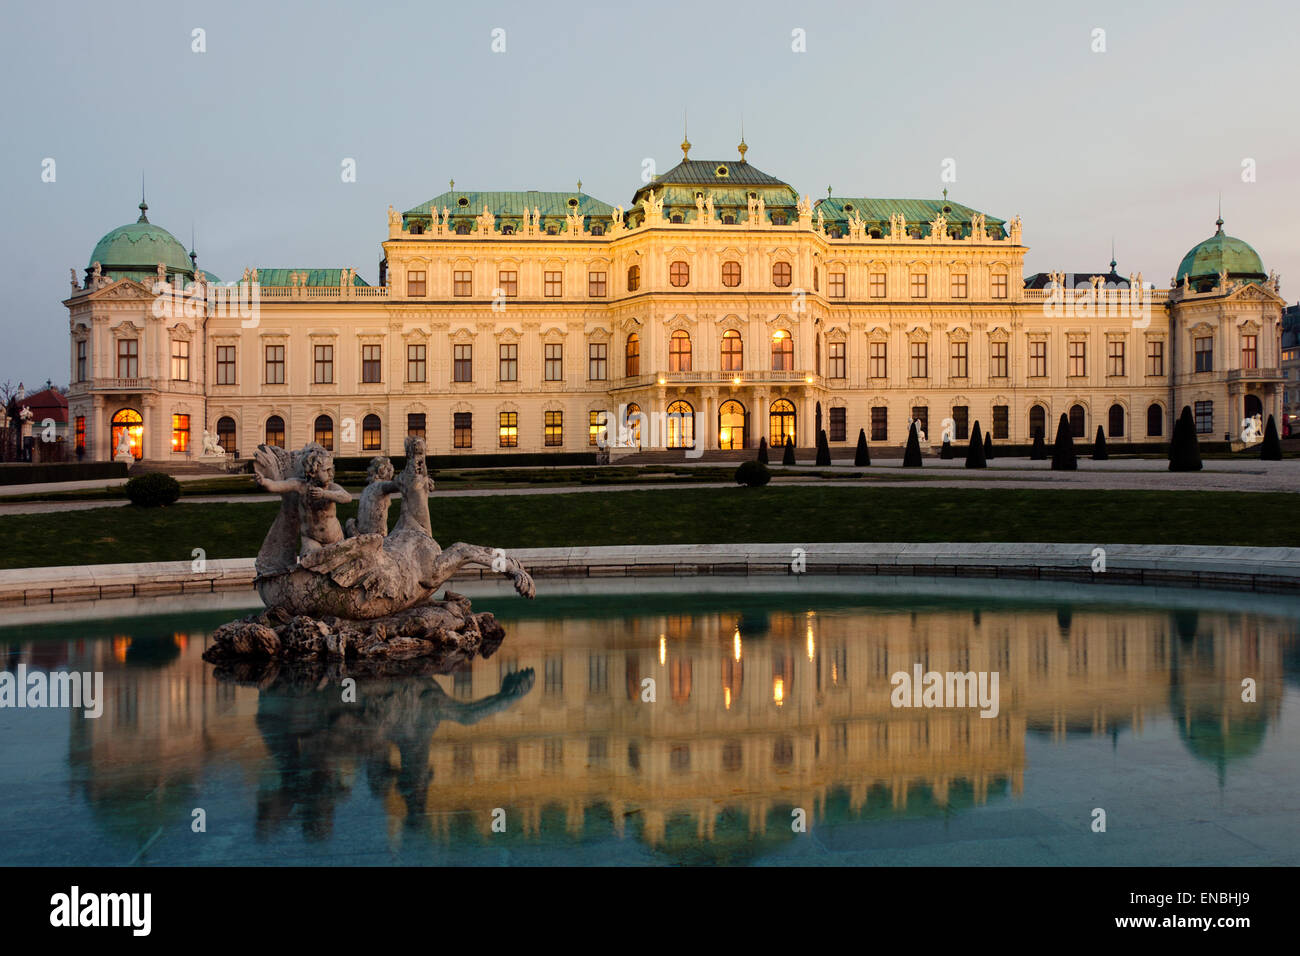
point(1269, 570)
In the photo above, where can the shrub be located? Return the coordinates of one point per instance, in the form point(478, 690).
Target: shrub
point(988, 446)
point(823, 450)
point(762, 450)
point(1099, 446)
point(1184, 452)
point(1063, 456)
point(1271, 449)
point(912, 456)
point(975, 453)
point(1038, 452)
point(755, 474)
point(153, 490)
point(862, 457)
point(945, 450)
point(787, 458)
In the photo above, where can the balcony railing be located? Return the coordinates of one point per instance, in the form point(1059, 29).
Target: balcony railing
point(706, 377)
point(1255, 375)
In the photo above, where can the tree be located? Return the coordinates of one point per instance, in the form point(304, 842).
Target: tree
point(975, 453)
point(988, 446)
point(1271, 448)
point(1099, 446)
point(823, 449)
point(788, 457)
point(762, 450)
point(1184, 452)
point(1038, 452)
point(862, 457)
point(912, 457)
point(1063, 456)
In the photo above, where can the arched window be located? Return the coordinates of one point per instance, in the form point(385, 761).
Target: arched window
point(1077, 421)
point(275, 431)
point(731, 274)
point(1155, 421)
point(679, 351)
point(508, 230)
point(781, 274)
point(782, 351)
point(1252, 406)
point(782, 423)
point(226, 434)
point(677, 217)
point(633, 355)
point(681, 425)
point(323, 433)
point(130, 421)
point(733, 351)
point(679, 274)
point(371, 433)
point(633, 278)
point(1115, 426)
point(731, 424)
point(1038, 422)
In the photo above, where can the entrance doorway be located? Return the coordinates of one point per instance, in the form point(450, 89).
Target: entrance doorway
point(731, 424)
point(782, 423)
point(128, 420)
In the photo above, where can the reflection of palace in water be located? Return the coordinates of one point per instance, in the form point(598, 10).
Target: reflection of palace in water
point(753, 716)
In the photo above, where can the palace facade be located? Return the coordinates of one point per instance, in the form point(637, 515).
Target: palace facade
point(720, 305)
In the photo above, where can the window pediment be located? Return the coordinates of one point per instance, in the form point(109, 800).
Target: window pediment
point(999, 335)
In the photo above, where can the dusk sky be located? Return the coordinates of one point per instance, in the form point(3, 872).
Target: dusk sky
point(244, 142)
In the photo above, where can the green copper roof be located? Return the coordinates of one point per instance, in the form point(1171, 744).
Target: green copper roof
point(510, 206)
point(1207, 259)
point(319, 277)
point(138, 248)
point(837, 210)
point(729, 182)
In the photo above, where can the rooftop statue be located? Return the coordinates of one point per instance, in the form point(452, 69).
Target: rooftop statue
point(366, 595)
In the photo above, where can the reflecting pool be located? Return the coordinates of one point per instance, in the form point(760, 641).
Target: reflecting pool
point(682, 721)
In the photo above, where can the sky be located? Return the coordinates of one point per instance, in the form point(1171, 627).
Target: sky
point(243, 145)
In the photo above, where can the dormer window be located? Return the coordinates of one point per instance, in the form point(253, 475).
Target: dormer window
point(848, 207)
point(677, 217)
point(874, 233)
point(462, 229)
point(552, 230)
point(417, 229)
point(573, 203)
point(462, 201)
point(508, 230)
point(778, 219)
point(597, 230)
point(722, 172)
point(729, 219)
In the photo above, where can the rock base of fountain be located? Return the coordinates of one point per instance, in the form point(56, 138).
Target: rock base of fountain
point(438, 629)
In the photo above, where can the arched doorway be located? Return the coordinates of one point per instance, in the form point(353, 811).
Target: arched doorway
point(731, 424)
point(226, 434)
point(1155, 421)
point(1078, 421)
point(1038, 422)
point(632, 426)
point(782, 421)
point(1253, 406)
point(275, 431)
point(130, 421)
point(1116, 422)
point(681, 425)
point(323, 432)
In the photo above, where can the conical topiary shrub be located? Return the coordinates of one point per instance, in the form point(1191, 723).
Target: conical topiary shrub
point(1038, 452)
point(975, 453)
point(1184, 452)
point(1099, 446)
point(1063, 456)
point(762, 450)
point(945, 450)
point(823, 450)
point(1271, 449)
point(862, 457)
point(912, 457)
point(988, 446)
point(787, 458)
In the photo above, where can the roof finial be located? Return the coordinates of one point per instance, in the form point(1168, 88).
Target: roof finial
point(742, 148)
point(144, 206)
point(451, 184)
point(579, 185)
point(1112, 254)
point(1219, 222)
point(686, 140)
point(945, 193)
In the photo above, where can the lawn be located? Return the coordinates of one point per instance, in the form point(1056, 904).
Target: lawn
point(690, 515)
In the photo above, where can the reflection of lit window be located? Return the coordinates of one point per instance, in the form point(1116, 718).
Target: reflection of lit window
point(778, 690)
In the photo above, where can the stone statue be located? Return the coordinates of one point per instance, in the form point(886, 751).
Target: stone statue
point(618, 215)
point(372, 511)
point(124, 445)
point(212, 445)
point(394, 218)
point(708, 207)
point(370, 596)
point(821, 222)
point(162, 273)
point(1252, 429)
point(803, 208)
point(699, 207)
point(76, 286)
point(761, 207)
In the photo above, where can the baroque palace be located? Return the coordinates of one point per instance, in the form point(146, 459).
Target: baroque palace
point(719, 308)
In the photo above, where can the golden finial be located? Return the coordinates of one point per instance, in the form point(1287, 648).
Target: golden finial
point(686, 142)
point(742, 147)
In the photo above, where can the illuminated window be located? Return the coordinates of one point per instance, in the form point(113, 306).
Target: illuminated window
point(180, 432)
point(323, 432)
point(554, 428)
point(371, 433)
point(633, 278)
point(226, 434)
point(508, 430)
point(632, 355)
point(679, 352)
point(1249, 351)
point(782, 351)
point(462, 424)
point(733, 351)
point(680, 422)
point(596, 426)
point(275, 431)
point(81, 433)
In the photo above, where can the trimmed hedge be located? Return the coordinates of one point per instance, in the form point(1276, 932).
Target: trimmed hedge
point(14, 473)
point(755, 474)
point(524, 460)
point(153, 490)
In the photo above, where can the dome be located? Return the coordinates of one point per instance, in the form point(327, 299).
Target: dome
point(138, 248)
point(1219, 253)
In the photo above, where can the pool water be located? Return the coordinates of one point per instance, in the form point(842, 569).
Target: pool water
point(685, 721)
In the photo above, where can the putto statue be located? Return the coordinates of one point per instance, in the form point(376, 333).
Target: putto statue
point(212, 445)
point(368, 594)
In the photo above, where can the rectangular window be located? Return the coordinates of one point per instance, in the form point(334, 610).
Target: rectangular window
point(876, 285)
point(1205, 354)
point(415, 283)
point(597, 361)
point(837, 363)
point(180, 432)
point(462, 363)
point(1156, 357)
point(997, 360)
point(554, 371)
point(324, 365)
point(81, 361)
point(81, 433)
point(595, 427)
point(415, 424)
point(508, 362)
point(961, 422)
point(879, 365)
point(225, 365)
point(1205, 417)
point(508, 430)
point(835, 285)
point(1001, 421)
point(958, 290)
point(417, 367)
point(1037, 359)
point(180, 360)
point(1078, 357)
point(839, 424)
point(554, 428)
point(370, 363)
point(880, 424)
point(508, 283)
point(462, 429)
point(596, 285)
point(1115, 357)
point(1249, 351)
point(999, 285)
point(919, 354)
point(275, 365)
point(554, 283)
point(462, 282)
point(128, 358)
point(959, 363)
point(920, 285)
